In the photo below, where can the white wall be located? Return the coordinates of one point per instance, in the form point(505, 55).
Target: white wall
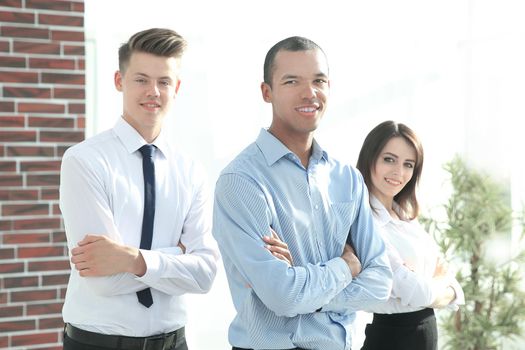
point(453, 70)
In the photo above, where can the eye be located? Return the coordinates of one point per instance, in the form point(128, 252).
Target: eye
point(290, 82)
point(389, 160)
point(165, 83)
point(321, 81)
point(409, 165)
point(140, 80)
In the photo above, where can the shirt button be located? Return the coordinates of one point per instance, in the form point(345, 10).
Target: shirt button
point(316, 207)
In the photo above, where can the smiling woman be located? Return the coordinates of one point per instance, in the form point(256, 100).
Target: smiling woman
point(391, 161)
point(455, 84)
point(393, 170)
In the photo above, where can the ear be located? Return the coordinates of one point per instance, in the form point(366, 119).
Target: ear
point(118, 80)
point(266, 91)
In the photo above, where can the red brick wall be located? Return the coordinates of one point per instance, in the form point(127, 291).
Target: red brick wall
point(42, 103)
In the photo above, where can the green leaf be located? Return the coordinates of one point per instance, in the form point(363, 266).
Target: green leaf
point(478, 216)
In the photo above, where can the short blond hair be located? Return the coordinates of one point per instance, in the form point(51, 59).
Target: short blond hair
point(157, 41)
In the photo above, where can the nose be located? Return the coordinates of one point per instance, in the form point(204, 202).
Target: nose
point(310, 91)
point(153, 90)
point(398, 169)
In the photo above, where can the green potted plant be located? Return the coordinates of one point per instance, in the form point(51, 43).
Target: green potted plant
point(476, 237)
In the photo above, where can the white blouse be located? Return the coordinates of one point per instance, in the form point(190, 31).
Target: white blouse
point(413, 256)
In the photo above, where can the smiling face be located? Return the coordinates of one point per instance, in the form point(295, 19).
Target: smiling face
point(149, 85)
point(298, 93)
point(393, 169)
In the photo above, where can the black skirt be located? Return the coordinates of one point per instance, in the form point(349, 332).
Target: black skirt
point(404, 331)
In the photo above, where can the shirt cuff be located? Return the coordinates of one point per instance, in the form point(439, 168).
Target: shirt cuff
point(153, 263)
point(341, 270)
point(343, 277)
point(410, 289)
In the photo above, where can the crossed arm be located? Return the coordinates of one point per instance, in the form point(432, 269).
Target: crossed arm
point(99, 253)
point(280, 250)
point(411, 289)
point(240, 219)
point(443, 293)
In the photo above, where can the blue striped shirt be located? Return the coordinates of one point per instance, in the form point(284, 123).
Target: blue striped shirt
point(312, 210)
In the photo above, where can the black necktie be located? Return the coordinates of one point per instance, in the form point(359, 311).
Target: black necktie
point(148, 168)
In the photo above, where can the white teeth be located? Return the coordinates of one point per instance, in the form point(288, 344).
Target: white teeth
point(393, 182)
point(149, 105)
point(307, 109)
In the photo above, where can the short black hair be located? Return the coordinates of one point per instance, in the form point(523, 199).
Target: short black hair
point(293, 43)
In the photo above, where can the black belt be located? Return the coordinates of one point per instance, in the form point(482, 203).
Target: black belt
point(406, 318)
point(155, 342)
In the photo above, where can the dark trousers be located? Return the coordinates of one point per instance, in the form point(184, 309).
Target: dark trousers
point(71, 344)
point(412, 330)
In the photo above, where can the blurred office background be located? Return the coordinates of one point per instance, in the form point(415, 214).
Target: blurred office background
point(452, 70)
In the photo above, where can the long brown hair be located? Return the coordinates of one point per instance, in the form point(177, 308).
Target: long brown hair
point(374, 143)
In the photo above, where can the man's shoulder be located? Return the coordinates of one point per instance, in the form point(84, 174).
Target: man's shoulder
point(342, 167)
point(94, 146)
point(247, 161)
point(182, 160)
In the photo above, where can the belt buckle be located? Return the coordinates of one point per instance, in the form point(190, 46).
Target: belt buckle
point(154, 343)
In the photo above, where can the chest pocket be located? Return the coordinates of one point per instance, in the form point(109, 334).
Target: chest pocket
point(343, 214)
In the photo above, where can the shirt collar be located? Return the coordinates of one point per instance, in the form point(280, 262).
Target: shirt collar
point(132, 140)
point(317, 152)
point(273, 149)
point(382, 215)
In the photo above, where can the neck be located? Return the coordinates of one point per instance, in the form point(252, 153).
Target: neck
point(149, 136)
point(148, 132)
point(300, 145)
point(388, 203)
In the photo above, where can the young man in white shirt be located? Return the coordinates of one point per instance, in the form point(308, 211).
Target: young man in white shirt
point(138, 227)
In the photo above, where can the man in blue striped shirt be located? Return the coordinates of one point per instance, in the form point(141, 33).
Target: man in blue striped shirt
point(299, 291)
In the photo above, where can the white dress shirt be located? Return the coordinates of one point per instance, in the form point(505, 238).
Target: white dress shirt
point(102, 192)
point(413, 256)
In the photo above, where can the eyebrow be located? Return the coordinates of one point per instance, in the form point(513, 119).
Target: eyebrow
point(147, 76)
point(293, 76)
point(289, 76)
